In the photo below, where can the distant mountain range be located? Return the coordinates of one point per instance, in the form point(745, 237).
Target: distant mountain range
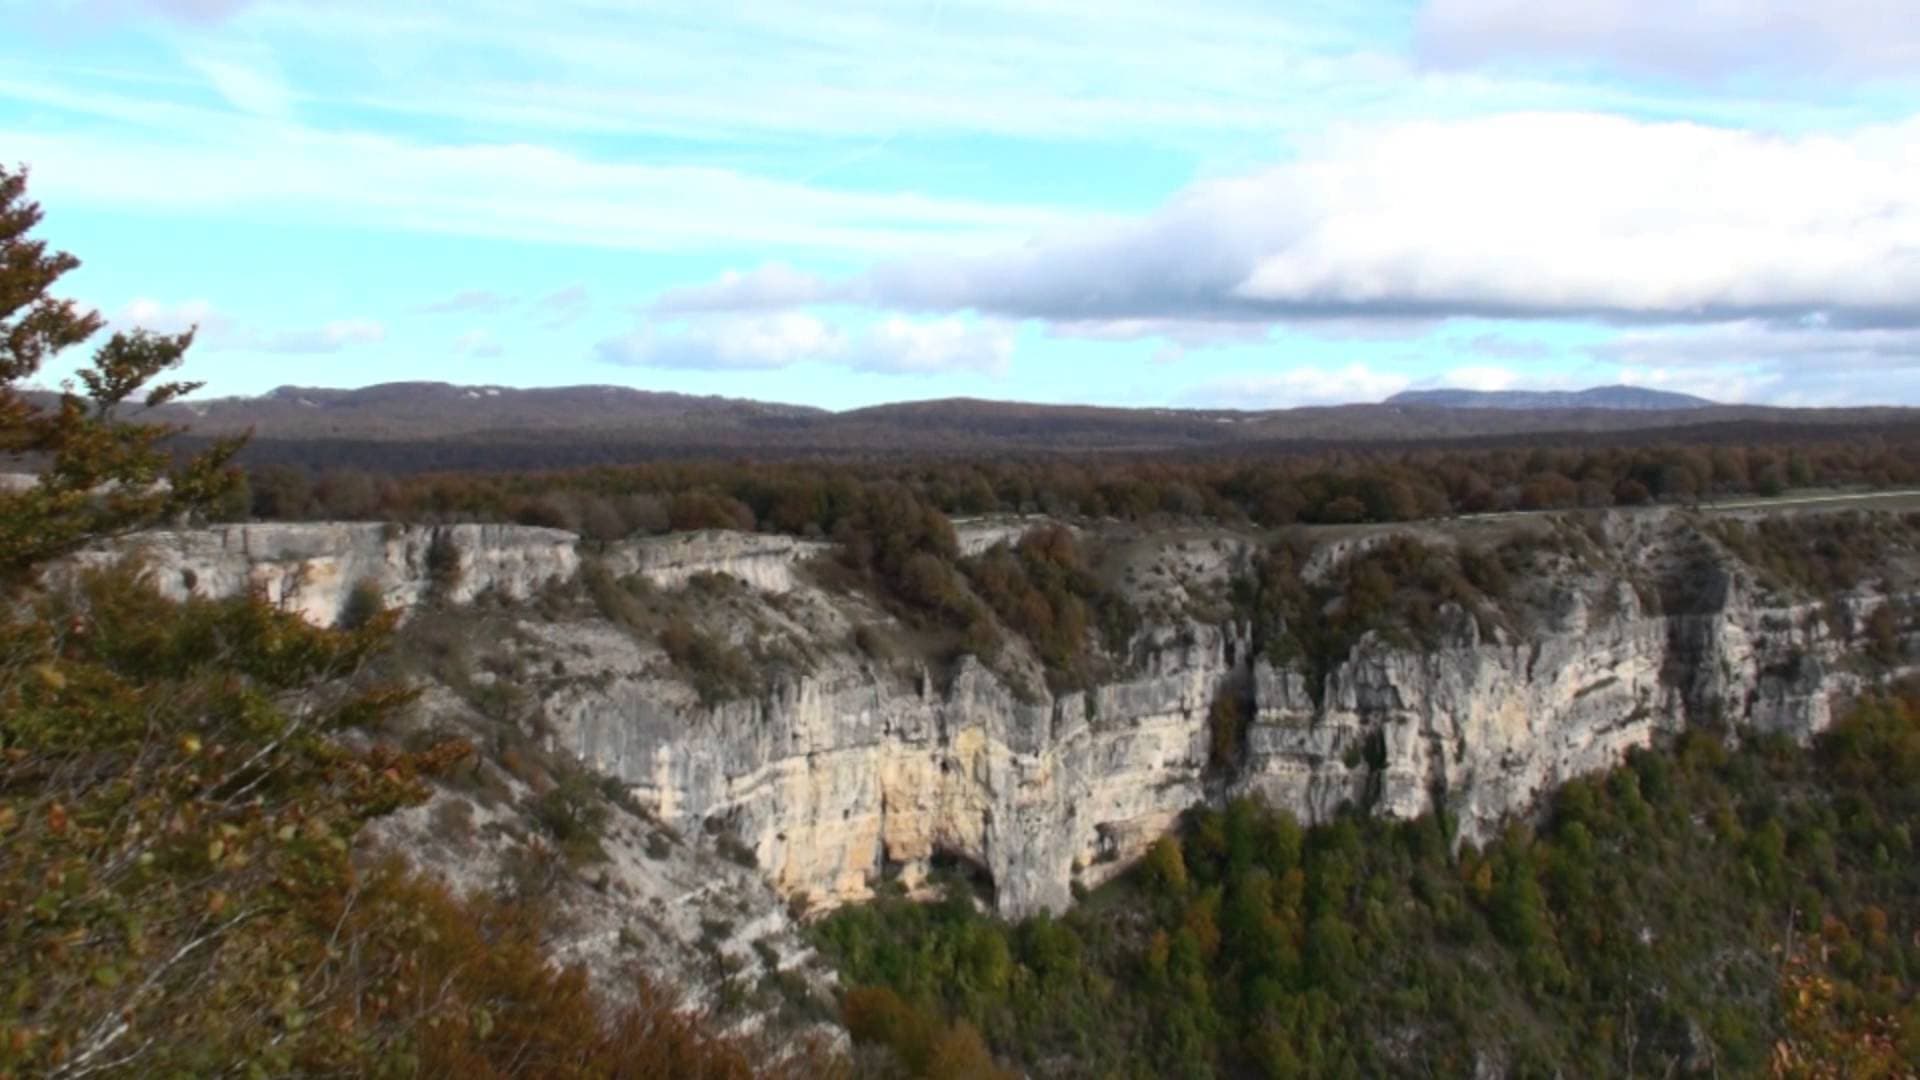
point(430, 426)
point(1619, 398)
point(410, 410)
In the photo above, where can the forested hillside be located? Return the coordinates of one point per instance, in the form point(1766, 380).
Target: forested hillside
point(1699, 911)
point(1376, 485)
point(411, 427)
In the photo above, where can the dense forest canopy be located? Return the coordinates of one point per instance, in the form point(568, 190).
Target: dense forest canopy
point(1698, 911)
point(1323, 487)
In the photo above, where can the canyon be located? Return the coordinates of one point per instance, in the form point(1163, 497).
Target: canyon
point(844, 771)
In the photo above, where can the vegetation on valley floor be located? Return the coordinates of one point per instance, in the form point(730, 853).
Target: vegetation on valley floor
point(1698, 910)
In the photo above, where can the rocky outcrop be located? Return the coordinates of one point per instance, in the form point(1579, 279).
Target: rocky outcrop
point(976, 535)
point(764, 561)
point(841, 777)
point(850, 770)
point(314, 568)
point(839, 780)
point(1484, 728)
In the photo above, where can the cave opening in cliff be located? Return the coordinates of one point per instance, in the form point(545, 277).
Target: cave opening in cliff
point(951, 873)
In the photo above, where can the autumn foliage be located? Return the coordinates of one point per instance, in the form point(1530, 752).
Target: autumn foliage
point(183, 785)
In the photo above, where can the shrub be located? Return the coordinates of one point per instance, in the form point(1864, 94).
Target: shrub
point(453, 822)
point(872, 643)
point(573, 814)
point(621, 603)
point(1226, 733)
point(1042, 590)
point(442, 564)
point(718, 670)
point(365, 602)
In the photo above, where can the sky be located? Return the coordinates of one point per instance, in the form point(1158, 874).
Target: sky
point(1213, 203)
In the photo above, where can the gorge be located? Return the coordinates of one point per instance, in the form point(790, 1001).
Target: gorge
point(840, 769)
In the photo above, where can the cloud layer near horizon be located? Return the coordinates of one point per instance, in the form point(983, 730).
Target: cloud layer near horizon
point(1517, 216)
point(213, 329)
point(1139, 204)
point(894, 346)
point(1705, 39)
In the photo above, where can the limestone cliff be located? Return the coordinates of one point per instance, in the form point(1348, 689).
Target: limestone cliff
point(848, 770)
point(844, 774)
point(313, 568)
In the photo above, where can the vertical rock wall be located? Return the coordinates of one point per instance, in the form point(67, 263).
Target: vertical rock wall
point(850, 774)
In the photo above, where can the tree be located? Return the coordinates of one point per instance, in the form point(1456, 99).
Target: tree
point(178, 888)
point(170, 830)
point(99, 475)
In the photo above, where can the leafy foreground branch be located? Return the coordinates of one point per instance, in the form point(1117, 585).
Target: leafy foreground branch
point(181, 787)
point(1698, 911)
point(179, 892)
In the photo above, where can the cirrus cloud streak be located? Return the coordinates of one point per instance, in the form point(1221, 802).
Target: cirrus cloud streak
point(895, 346)
point(1693, 40)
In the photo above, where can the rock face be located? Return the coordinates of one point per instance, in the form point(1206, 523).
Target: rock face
point(765, 562)
point(841, 776)
point(1483, 728)
point(314, 568)
point(838, 780)
point(855, 771)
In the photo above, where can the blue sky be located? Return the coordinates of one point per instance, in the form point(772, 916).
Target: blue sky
point(1132, 203)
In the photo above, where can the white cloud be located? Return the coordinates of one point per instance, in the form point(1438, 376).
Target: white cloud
point(1480, 377)
point(249, 86)
point(1726, 385)
point(1769, 363)
point(1696, 39)
point(1767, 344)
point(467, 300)
point(773, 285)
point(1185, 333)
point(146, 313)
point(203, 12)
point(477, 345)
point(332, 337)
point(155, 156)
point(220, 332)
point(782, 339)
point(859, 71)
point(1497, 377)
point(728, 344)
point(1531, 215)
point(564, 307)
point(1504, 347)
point(900, 346)
point(196, 10)
point(1299, 386)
